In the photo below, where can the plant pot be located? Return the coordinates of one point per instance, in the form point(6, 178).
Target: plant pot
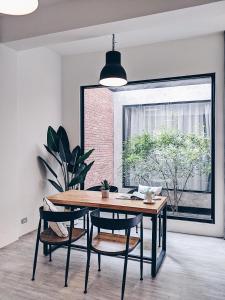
point(105, 193)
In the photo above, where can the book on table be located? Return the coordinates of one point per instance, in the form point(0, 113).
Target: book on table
point(135, 196)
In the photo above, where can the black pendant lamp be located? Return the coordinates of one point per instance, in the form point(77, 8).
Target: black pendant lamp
point(113, 74)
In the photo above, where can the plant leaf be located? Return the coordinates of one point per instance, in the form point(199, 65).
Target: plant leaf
point(61, 132)
point(75, 155)
point(52, 139)
point(70, 168)
point(47, 166)
point(79, 178)
point(75, 181)
point(83, 157)
point(53, 154)
point(84, 172)
point(80, 168)
point(77, 169)
point(56, 185)
point(64, 152)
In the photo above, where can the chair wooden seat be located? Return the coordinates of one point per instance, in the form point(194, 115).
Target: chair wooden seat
point(48, 236)
point(105, 243)
point(113, 244)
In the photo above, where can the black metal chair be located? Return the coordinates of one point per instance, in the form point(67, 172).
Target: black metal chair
point(110, 244)
point(97, 188)
point(49, 238)
point(112, 189)
point(132, 191)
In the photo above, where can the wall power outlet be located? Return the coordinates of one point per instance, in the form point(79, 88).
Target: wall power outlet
point(24, 220)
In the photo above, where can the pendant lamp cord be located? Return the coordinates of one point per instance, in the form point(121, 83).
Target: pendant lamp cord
point(113, 42)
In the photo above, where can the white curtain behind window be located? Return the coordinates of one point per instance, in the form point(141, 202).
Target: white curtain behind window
point(187, 117)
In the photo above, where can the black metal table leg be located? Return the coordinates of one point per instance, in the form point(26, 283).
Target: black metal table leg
point(154, 245)
point(160, 228)
point(164, 228)
point(158, 260)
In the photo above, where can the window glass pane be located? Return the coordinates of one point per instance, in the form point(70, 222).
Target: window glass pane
point(186, 118)
point(155, 133)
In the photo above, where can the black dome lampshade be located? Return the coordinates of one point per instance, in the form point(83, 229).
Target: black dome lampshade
point(113, 74)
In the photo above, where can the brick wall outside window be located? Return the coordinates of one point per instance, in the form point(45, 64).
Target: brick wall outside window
point(99, 135)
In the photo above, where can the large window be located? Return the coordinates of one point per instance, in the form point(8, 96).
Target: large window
point(155, 133)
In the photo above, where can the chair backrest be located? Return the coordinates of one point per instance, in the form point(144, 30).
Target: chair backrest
point(97, 188)
point(114, 224)
point(132, 191)
point(63, 216)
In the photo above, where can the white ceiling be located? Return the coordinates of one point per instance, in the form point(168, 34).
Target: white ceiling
point(44, 3)
point(55, 16)
point(179, 24)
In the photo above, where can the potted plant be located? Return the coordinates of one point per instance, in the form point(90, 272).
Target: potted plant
point(70, 166)
point(105, 189)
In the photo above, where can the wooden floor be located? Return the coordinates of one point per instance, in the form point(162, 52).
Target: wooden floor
point(194, 269)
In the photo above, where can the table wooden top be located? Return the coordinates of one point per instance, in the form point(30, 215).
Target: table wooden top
point(95, 200)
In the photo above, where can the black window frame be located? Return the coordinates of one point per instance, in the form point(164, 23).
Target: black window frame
point(177, 78)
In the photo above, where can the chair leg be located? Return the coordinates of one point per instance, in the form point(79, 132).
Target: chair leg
point(124, 276)
point(35, 258)
point(50, 253)
point(99, 262)
point(113, 216)
point(137, 229)
point(84, 222)
point(141, 252)
point(87, 270)
point(67, 265)
point(126, 216)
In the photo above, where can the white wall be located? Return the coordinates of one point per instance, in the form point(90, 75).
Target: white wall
point(30, 102)
point(176, 58)
point(39, 105)
point(8, 146)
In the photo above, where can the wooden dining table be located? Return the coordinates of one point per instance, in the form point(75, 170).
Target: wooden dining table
point(117, 203)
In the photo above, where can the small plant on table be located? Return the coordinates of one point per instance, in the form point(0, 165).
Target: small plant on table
point(105, 188)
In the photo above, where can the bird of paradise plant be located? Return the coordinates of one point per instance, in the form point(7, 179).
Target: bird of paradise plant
point(73, 168)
